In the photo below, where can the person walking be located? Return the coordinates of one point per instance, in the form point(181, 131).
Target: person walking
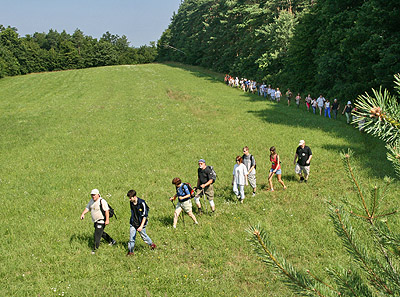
point(335, 108)
point(239, 179)
point(298, 99)
point(314, 105)
point(100, 212)
point(204, 185)
point(138, 221)
point(275, 168)
point(327, 106)
point(183, 194)
point(320, 103)
point(250, 163)
point(289, 96)
point(308, 102)
point(303, 156)
point(347, 110)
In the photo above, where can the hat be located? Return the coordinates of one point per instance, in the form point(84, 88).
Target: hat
point(202, 161)
point(301, 142)
point(349, 102)
point(94, 192)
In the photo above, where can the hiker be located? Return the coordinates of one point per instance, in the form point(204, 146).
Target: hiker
point(335, 108)
point(183, 193)
point(275, 168)
point(138, 221)
point(298, 99)
point(308, 102)
point(239, 178)
point(204, 185)
point(289, 96)
point(320, 103)
point(100, 212)
point(327, 106)
point(250, 163)
point(347, 110)
point(303, 156)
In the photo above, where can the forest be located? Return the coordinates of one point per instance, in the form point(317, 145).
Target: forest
point(54, 51)
point(339, 48)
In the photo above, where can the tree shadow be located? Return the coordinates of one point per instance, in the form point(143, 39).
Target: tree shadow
point(362, 144)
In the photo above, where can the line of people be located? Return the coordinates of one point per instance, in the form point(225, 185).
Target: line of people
point(321, 104)
point(244, 173)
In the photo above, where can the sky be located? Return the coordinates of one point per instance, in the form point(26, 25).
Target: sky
point(140, 21)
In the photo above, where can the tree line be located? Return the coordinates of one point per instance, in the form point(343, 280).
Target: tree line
point(59, 51)
point(340, 48)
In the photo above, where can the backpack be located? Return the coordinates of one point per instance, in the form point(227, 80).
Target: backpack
point(213, 174)
point(191, 191)
point(111, 211)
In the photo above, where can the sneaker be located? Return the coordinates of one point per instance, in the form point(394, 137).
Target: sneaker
point(130, 254)
point(93, 252)
point(241, 201)
point(284, 188)
point(112, 243)
point(301, 179)
point(305, 180)
point(238, 197)
point(199, 211)
point(153, 246)
point(254, 193)
point(271, 190)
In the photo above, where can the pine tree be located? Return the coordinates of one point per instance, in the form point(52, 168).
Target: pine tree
point(375, 271)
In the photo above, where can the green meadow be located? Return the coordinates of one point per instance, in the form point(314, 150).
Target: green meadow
point(137, 127)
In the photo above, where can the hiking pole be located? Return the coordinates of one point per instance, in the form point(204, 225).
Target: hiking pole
point(183, 218)
point(205, 202)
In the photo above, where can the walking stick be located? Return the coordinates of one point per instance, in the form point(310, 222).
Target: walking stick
point(205, 202)
point(183, 217)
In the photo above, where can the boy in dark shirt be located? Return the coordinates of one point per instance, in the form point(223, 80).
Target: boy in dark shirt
point(138, 221)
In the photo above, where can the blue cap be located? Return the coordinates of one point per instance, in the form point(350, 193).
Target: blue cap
point(202, 161)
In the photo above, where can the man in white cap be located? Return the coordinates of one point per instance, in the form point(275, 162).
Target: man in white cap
point(303, 156)
point(100, 212)
point(205, 182)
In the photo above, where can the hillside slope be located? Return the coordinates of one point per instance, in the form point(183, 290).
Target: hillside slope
point(124, 127)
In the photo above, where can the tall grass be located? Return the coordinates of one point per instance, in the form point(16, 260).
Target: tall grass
point(123, 127)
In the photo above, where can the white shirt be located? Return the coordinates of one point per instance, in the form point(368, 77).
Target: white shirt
point(239, 174)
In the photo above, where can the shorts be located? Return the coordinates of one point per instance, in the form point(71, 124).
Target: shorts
point(299, 169)
point(209, 191)
point(186, 205)
point(279, 171)
point(252, 180)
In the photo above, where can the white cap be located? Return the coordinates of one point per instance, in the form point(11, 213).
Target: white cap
point(301, 142)
point(349, 102)
point(94, 192)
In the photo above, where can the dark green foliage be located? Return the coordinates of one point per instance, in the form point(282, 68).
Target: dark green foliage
point(59, 51)
point(339, 48)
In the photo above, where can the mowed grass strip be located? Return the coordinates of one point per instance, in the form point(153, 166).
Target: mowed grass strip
point(123, 127)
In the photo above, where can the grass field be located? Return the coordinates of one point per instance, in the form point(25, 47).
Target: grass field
point(124, 127)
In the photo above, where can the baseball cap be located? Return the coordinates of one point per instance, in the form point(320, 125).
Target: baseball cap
point(94, 192)
point(301, 142)
point(202, 161)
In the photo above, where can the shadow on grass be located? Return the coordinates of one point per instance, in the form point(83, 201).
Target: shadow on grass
point(198, 72)
point(83, 238)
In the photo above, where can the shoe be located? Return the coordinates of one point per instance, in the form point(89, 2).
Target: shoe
point(153, 246)
point(254, 193)
point(93, 252)
point(238, 197)
point(130, 254)
point(241, 201)
point(271, 190)
point(112, 243)
point(199, 212)
point(285, 188)
point(301, 179)
point(305, 180)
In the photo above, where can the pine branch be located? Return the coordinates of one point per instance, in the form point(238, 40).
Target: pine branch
point(300, 283)
point(350, 283)
point(345, 231)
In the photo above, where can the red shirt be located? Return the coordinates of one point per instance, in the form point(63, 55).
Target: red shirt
point(274, 161)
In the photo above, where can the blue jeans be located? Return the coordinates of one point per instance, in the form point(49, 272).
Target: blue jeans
point(314, 109)
point(328, 111)
point(132, 238)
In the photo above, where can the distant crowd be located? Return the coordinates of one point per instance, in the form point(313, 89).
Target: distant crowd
point(321, 104)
